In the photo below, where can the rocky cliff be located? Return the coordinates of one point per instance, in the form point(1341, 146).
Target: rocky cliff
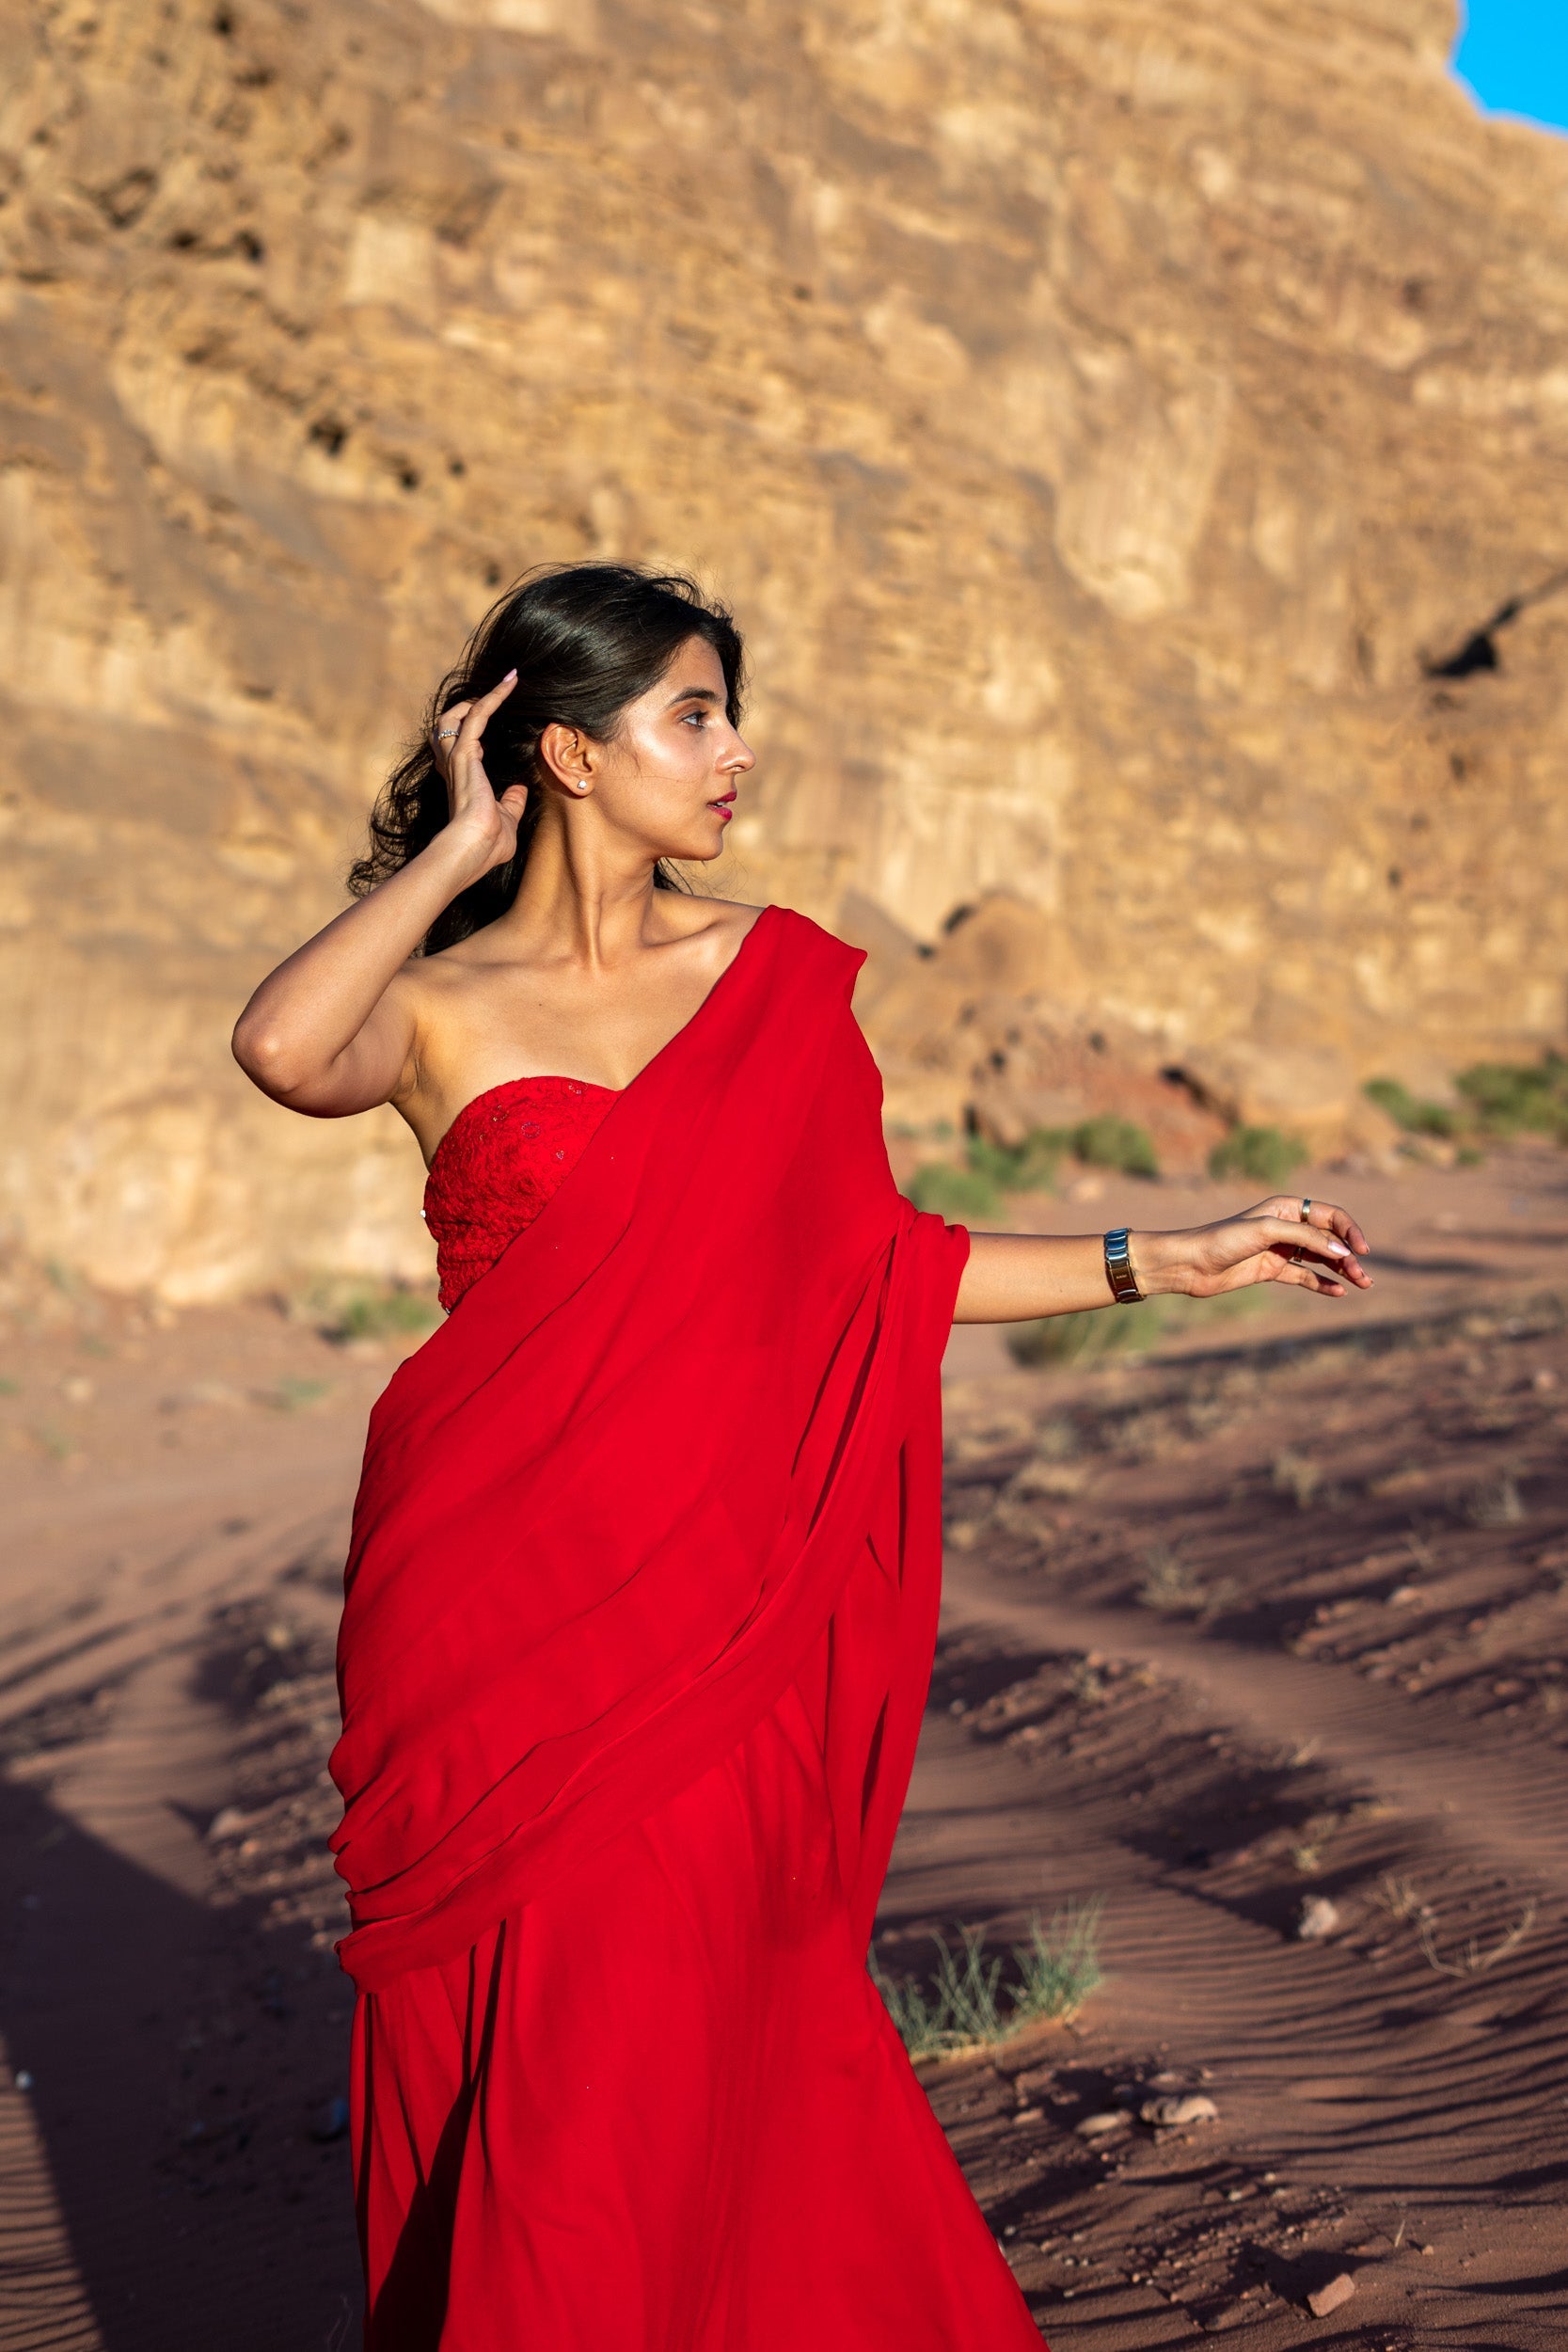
point(1137, 437)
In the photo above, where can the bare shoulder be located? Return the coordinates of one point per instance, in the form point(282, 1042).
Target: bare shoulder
point(427, 981)
point(717, 925)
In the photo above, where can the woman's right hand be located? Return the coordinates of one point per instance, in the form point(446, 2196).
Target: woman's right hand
point(333, 1029)
point(479, 819)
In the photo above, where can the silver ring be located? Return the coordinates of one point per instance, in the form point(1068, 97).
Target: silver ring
point(1307, 1212)
point(442, 733)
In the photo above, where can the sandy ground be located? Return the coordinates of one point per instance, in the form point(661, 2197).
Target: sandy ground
point(1276, 1611)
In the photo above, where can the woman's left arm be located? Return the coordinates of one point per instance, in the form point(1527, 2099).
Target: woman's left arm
point(1014, 1277)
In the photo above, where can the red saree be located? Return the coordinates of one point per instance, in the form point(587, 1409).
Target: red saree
point(640, 1608)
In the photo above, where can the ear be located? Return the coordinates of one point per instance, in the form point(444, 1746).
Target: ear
point(565, 757)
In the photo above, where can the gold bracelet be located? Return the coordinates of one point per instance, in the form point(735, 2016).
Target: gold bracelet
point(1118, 1269)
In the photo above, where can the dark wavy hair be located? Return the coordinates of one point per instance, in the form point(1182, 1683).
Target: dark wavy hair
point(585, 640)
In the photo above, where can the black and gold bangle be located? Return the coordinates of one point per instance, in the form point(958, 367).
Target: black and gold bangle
point(1118, 1269)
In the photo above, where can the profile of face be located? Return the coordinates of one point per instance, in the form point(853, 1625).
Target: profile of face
point(664, 784)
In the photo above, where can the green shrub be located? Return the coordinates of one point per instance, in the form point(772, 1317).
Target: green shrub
point(1519, 1098)
point(1076, 1337)
point(953, 1191)
point(1407, 1110)
point(960, 2006)
point(1129, 1330)
point(1264, 1156)
point(1059, 1966)
point(1031, 1166)
point(378, 1312)
point(1035, 1164)
point(1107, 1143)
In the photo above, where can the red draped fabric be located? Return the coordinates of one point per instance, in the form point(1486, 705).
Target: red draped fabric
point(640, 1608)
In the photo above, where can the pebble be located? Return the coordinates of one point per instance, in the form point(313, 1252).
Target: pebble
point(1328, 2299)
point(227, 1823)
point(1316, 1919)
point(1096, 2126)
point(23, 2080)
point(1192, 2108)
point(331, 2121)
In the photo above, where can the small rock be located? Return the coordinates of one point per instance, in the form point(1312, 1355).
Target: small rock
point(1027, 2115)
point(1191, 2108)
point(227, 1823)
point(23, 2080)
point(1316, 1919)
point(331, 2121)
point(1096, 2126)
point(1328, 2299)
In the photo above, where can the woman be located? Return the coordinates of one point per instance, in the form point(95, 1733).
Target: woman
point(642, 1591)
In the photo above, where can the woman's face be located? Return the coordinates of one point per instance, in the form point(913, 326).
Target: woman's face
point(666, 778)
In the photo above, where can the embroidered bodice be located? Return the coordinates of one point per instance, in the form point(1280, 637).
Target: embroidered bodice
point(498, 1163)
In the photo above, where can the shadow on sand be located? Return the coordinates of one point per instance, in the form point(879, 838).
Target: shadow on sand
point(180, 2058)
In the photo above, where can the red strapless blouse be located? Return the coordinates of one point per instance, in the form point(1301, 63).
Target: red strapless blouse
point(501, 1159)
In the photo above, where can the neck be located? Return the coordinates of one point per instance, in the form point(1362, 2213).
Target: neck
point(582, 899)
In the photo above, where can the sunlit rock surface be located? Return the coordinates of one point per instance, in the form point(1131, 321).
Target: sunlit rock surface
point(1107, 418)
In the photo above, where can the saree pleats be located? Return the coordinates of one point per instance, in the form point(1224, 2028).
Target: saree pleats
point(641, 1610)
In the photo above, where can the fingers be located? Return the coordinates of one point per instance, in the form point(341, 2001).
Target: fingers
point(1307, 1277)
point(1291, 1233)
point(1301, 1245)
point(476, 714)
point(461, 726)
point(1335, 1221)
point(1324, 1215)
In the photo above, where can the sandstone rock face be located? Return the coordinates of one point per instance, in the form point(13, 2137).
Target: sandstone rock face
point(1135, 437)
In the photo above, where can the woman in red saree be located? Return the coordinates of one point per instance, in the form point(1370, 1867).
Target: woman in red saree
point(642, 1592)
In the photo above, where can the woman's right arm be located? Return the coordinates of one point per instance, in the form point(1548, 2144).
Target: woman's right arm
point(328, 1033)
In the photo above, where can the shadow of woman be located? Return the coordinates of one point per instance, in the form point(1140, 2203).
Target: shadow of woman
point(163, 2187)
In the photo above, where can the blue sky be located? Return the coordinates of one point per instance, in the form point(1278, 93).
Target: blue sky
point(1512, 56)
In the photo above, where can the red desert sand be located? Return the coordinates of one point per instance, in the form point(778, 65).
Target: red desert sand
point(1259, 1637)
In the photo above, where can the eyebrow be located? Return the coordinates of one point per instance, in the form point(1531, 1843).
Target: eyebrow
point(693, 694)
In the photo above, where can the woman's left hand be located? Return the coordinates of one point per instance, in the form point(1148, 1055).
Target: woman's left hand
point(1272, 1243)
